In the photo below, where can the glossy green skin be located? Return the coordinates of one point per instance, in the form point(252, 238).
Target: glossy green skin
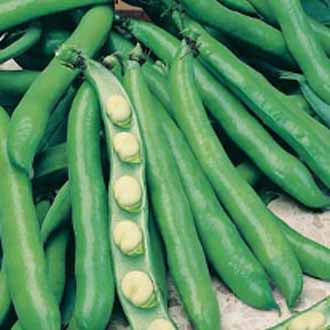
point(25, 259)
point(299, 102)
point(242, 6)
point(321, 108)
point(59, 213)
point(55, 250)
point(304, 45)
point(16, 83)
point(157, 83)
point(304, 134)
point(230, 257)
point(105, 85)
point(158, 255)
point(30, 37)
point(42, 208)
point(249, 173)
point(93, 269)
point(313, 257)
point(294, 99)
point(251, 31)
point(322, 306)
point(263, 9)
point(58, 216)
point(253, 219)
point(322, 31)
point(30, 118)
point(184, 252)
point(15, 12)
point(276, 163)
point(211, 220)
point(117, 43)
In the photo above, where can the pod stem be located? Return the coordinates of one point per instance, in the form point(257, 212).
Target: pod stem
point(191, 37)
point(122, 23)
point(114, 63)
point(71, 58)
point(137, 54)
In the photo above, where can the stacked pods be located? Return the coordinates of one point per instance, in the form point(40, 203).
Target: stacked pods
point(137, 265)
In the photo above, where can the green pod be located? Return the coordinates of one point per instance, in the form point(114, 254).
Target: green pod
point(320, 107)
point(16, 12)
point(29, 37)
point(298, 101)
point(55, 251)
point(276, 163)
point(16, 83)
point(59, 213)
point(184, 252)
point(69, 294)
point(29, 121)
point(25, 260)
point(131, 244)
point(117, 43)
point(242, 6)
point(249, 173)
point(58, 218)
point(93, 266)
point(304, 45)
point(42, 208)
point(264, 10)
point(249, 283)
point(158, 85)
point(316, 317)
point(253, 32)
point(304, 134)
point(295, 99)
point(322, 31)
point(253, 219)
point(120, 46)
point(158, 254)
point(313, 257)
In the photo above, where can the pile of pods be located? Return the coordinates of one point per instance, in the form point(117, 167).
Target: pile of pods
point(134, 150)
